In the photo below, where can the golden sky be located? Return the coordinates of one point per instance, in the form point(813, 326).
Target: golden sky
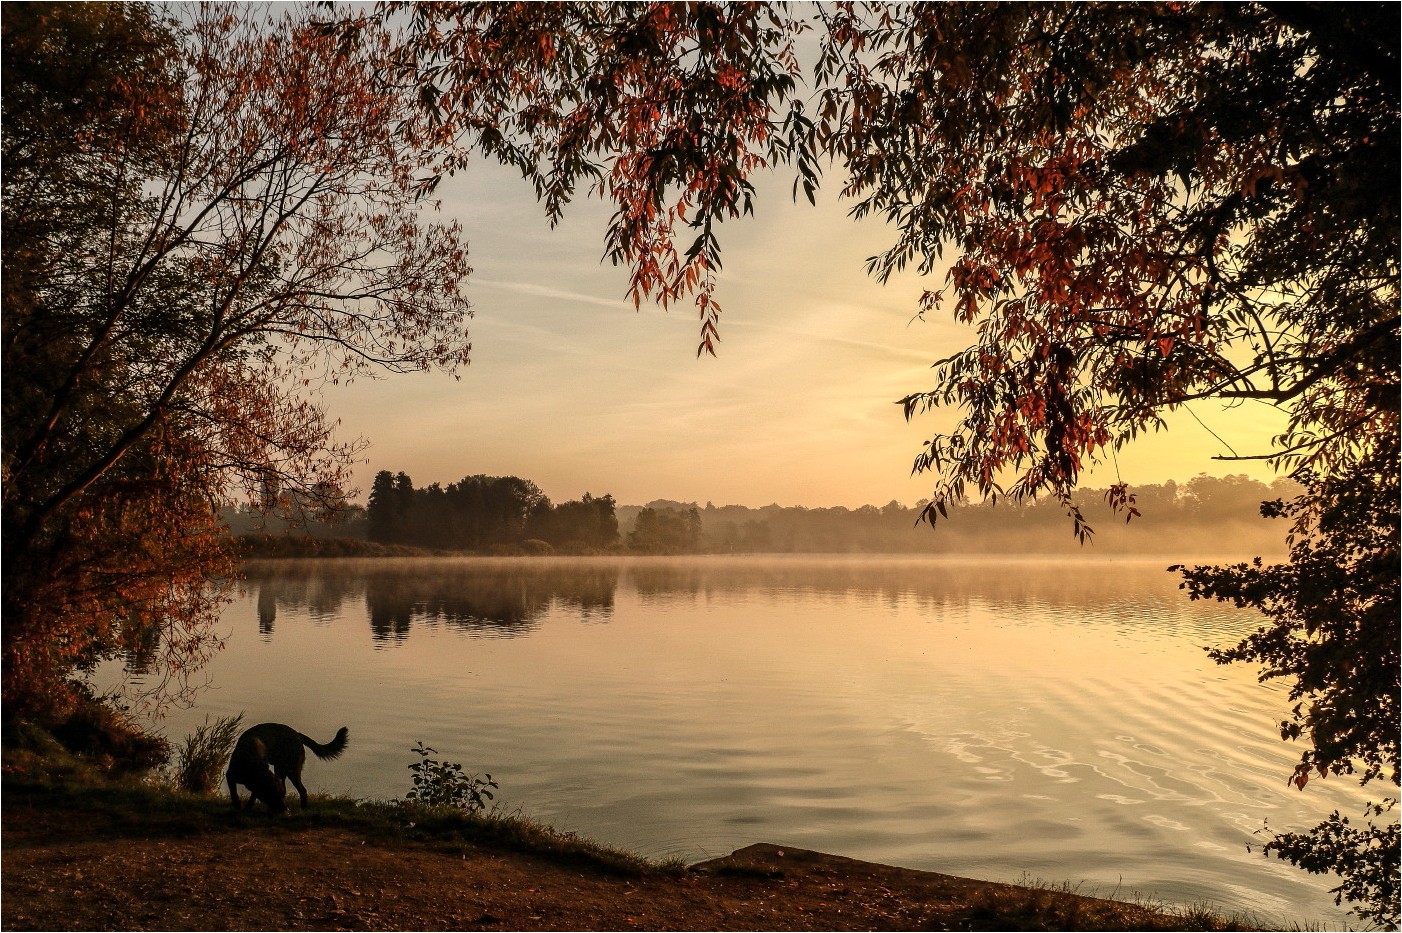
point(572, 388)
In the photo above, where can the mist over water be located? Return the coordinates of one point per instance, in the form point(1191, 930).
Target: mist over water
point(997, 719)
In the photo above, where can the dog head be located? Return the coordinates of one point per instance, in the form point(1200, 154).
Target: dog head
point(270, 790)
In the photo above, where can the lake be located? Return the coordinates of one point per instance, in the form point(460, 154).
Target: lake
point(998, 719)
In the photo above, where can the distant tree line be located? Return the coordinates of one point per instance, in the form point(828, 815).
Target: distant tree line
point(511, 515)
point(1207, 514)
point(486, 513)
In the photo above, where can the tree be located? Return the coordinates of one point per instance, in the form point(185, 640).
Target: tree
point(64, 81)
point(1144, 204)
point(475, 513)
point(202, 216)
point(666, 531)
point(663, 108)
point(384, 511)
point(1154, 205)
point(1333, 608)
point(585, 523)
point(1150, 204)
point(404, 508)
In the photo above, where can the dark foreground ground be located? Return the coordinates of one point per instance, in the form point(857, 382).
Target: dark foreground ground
point(96, 863)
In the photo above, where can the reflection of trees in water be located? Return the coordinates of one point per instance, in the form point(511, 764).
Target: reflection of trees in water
point(470, 603)
point(503, 598)
point(267, 610)
point(1131, 592)
point(481, 598)
point(496, 599)
point(389, 609)
point(296, 585)
point(140, 651)
point(938, 581)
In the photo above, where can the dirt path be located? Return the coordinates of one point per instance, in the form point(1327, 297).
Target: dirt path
point(62, 872)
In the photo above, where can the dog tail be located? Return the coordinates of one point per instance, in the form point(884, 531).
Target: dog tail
point(331, 749)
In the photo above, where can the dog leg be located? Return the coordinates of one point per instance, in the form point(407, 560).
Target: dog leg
point(301, 791)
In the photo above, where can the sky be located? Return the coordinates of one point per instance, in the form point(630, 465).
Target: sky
point(572, 388)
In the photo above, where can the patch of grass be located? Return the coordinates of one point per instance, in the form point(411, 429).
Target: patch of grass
point(112, 807)
point(495, 828)
point(675, 865)
point(1033, 908)
point(1034, 904)
point(145, 808)
point(131, 807)
point(199, 762)
point(89, 736)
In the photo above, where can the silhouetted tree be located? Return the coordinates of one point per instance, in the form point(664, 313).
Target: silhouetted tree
point(475, 513)
point(1333, 607)
point(666, 531)
point(200, 213)
point(1142, 204)
point(584, 524)
point(404, 509)
point(382, 509)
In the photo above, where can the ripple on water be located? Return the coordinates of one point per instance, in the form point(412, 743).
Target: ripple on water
point(1024, 717)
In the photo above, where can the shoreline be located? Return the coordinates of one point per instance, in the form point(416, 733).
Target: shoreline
point(145, 857)
point(852, 557)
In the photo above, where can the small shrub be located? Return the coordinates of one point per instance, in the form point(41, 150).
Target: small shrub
point(99, 730)
point(445, 784)
point(199, 761)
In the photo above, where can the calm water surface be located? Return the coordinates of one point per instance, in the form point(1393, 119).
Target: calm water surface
point(997, 719)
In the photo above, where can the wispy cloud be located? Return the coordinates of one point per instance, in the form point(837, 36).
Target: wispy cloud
point(908, 354)
point(542, 291)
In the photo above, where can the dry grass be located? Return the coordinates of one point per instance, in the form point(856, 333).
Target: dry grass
point(1035, 904)
point(199, 761)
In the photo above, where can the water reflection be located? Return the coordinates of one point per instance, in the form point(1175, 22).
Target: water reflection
point(987, 718)
point(479, 598)
point(510, 597)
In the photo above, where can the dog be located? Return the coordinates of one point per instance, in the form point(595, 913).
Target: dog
point(267, 755)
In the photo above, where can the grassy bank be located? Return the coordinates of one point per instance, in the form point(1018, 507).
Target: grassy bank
point(86, 850)
point(150, 806)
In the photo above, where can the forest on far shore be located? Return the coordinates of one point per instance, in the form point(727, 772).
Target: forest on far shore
point(508, 515)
